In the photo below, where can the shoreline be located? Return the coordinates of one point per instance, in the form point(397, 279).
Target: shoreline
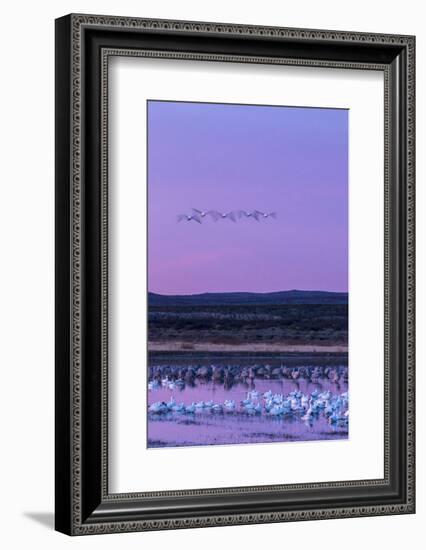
point(248, 347)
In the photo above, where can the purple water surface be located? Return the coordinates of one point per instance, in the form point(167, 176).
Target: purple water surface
point(210, 428)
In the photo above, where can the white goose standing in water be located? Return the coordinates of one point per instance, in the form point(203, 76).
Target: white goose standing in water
point(229, 405)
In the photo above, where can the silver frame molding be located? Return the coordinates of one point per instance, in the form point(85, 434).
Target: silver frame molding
point(84, 44)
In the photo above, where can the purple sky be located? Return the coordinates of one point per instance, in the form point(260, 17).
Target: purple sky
point(230, 157)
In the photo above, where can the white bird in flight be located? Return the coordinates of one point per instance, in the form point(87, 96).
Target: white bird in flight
point(203, 213)
point(248, 214)
point(222, 215)
point(188, 218)
point(266, 214)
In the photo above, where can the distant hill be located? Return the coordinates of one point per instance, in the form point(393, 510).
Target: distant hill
point(249, 298)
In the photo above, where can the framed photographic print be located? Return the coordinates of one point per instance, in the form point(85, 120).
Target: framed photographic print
point(234, 274)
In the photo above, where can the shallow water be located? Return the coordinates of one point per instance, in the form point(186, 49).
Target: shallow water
point(210, 428)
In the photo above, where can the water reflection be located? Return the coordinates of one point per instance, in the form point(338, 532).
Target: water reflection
point(188, 404)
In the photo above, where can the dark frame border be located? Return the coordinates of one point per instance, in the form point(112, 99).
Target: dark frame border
point(83, 45)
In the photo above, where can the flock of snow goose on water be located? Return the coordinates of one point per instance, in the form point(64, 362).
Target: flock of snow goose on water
point(307, 407)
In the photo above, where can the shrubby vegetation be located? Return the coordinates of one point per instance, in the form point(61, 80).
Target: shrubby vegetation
point(233, 324)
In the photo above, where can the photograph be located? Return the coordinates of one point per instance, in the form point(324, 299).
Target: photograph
point(248, 296)
point(212, 235)
point(234, 305)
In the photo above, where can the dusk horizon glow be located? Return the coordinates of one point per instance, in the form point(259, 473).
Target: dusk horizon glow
point(227, 157)
point(250, 292)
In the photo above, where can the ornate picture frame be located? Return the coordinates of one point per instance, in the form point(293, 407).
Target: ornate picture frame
point(84, 45)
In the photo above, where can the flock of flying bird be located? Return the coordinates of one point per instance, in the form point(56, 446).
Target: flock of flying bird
point(199, 215)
